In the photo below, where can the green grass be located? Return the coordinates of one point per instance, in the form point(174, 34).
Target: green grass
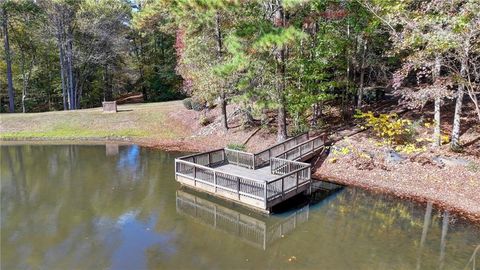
point(147, 121)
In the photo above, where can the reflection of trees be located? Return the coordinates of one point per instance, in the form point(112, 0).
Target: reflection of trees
point(443, 241)
point(426, 224)
point(473, 259)
point(53, 196)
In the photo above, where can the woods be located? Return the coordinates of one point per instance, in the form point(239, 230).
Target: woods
point(291, 59)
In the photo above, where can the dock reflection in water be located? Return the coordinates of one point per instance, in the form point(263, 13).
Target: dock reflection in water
point(255, 229)
point(249, 228)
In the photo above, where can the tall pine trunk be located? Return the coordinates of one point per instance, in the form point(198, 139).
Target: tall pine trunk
point(223, 99)
point(279, 21)
point(438, 100)
point(8, 60)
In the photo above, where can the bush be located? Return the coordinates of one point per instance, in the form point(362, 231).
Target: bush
point(388, 127)
point(197, 105)
point(187, 103)
point(236, 146)
point(204, 121)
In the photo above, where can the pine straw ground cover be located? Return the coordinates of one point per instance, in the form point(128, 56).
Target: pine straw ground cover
point(359, 161)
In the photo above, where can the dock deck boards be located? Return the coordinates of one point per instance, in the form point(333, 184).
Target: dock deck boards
point(261, 174)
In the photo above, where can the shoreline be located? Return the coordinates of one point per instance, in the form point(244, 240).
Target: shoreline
point(168, 146)
point(182, 146)
point(466, 215)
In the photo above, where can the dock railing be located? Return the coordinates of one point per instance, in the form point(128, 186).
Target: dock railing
point(263, 158)
point(293, 175)
point(240, 158)
point(211, 158)
point(302, 149)
point(290, 178)
point(220, 180)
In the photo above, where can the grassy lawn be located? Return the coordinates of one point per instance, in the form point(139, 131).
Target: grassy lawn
point(136, 121)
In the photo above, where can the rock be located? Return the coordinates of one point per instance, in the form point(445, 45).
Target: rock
point(393, 157)
point(437, 161)
point(448, 161)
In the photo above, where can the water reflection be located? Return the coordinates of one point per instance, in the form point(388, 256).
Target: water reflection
point(251, 228)
point(74, 207)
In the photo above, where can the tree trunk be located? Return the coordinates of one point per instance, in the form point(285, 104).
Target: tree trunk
point(455, 143)
point(279, 21)
point(8, 60)
point(70, 66)
point(362, 75)
point(223, 99)
point(223, 105)
point(63, 70)
point(107, 92)
point(438, 100)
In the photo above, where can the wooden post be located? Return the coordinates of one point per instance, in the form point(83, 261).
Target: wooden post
point(283, 187)
point(215, 180)
point(265, 194)
point(238, 187)
point(296, 179)
point(194, 176)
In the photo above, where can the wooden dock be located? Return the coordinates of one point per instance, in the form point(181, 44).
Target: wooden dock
point(257, 180)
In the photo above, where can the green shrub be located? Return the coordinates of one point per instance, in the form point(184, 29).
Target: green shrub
point(236, 146)
point(187, 103)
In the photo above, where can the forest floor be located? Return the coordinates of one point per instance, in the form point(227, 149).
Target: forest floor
point(449, 179)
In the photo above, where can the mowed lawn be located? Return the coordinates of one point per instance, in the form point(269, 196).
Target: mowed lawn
point(149, 120)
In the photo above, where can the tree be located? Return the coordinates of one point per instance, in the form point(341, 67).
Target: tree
point(61, 15)
point(8, 59)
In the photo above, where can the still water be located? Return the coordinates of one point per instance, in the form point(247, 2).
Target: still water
point(118, 207)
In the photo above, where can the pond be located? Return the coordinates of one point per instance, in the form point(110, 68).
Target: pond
point(118, 207)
